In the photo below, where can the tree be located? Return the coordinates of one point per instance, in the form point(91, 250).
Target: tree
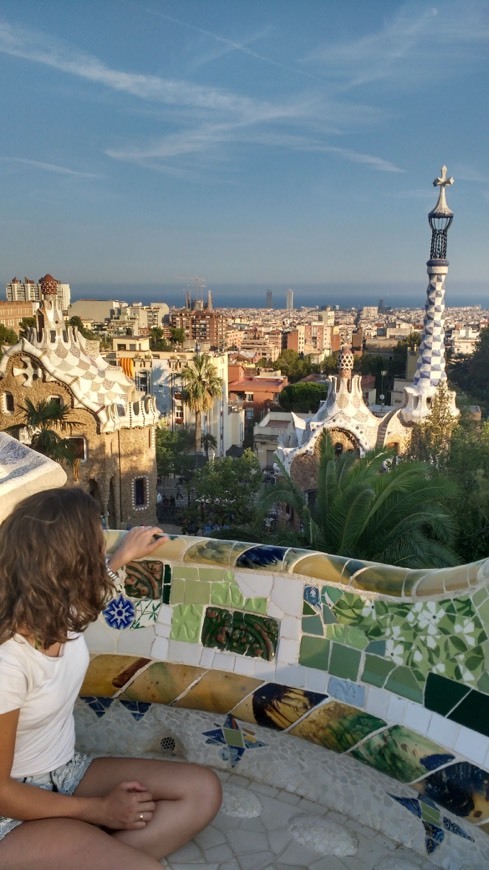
point(25, 324)
point(41, 420)
point(208, 442)
point(295, 365)
point(397, 516)
point(431, 439)
point(177, 335)
point(225, 492)
point(7, 336)
point(172, 451)
point(303, 396)
point(77, 322)
point(470, 373)
point(468, 466)
point(202, 386)
point(157, 341)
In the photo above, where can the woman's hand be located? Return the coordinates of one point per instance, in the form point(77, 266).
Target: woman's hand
point(128, 807)
point(138, 542)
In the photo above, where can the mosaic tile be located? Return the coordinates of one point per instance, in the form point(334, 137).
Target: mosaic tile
point(145, 613)
point(473, 712)
point(172, 550)
point(106, 674)
point(185, 572)
point(242, 633)
point(186, 623)
point(461, 788)
point(218, 692)
point(313, 625)
point(178, 586)
point(210, 552)
point(382, 579)
point(263, 556)
point(330, 595)
point(226, 595)
point(137, 709)
point(401, 681)
point(314, 652)
point(144, 579)
point(344, 661)
point(442, 695)
point(402, 753)
point(162, 683)
point(322, 567)
point(278, 707)
point(347, 635)
point(98, 705)
point(167, 581)
point(216, 575)
point(337, 726)
point(376, 670)
point(197, 592)
point(255, 605)
point(344, 690)
point(234, 739)
point(292, 557)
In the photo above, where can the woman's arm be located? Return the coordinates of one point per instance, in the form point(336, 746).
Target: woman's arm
point(119, 809)
point(137, 543)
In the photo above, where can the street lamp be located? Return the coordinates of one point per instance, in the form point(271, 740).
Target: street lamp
point(382, 395)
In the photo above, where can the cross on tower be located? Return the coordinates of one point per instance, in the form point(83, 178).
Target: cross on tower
point(442, 180)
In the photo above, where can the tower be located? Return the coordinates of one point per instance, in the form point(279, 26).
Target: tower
point(269, 299)
point(289, 304)
point(430, 367)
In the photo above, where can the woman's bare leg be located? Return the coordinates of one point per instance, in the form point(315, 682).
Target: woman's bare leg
point(187, 797)
point(68, 845)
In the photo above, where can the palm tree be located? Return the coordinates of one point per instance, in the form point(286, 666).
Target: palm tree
point(397, 516)
point(41, 420)
point(208, 442)
point(202, 386)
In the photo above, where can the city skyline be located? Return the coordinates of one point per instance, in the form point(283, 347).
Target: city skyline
point(275, 145)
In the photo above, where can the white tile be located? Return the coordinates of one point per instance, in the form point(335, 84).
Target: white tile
point(291, 627)
point(254, 585)
point(138, 642)
point(472, 745)
point(165, 615)
point(224, 661)
point(317, 681)
point(275, 611)
point(377, 702)
point(245, 666)
point(264, 670)
point(206, 657)
point(162, 630)
point(443, 731)
point(289, 675)
point(100, 638)
point(287, 594)
point(159, 649)
point(288, 651)
point(417, 717)
point(396, 710)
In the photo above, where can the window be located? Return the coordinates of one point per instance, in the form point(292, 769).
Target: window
point(56, 400)
point(80, 447)
point(8, 404)
point(140, 492)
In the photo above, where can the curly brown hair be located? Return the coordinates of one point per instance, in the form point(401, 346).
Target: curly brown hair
point(53, 578)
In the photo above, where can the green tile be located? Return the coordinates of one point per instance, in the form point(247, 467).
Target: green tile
point(177, 591)
point(333, 593)
point(483, 683)
point(313, 625)
point(328, 616)
point(442, 695)
point(186, 622)
point(307, 610)
point(347, 635)
point(255, 605)
point(344, 661)
point(402, 682)
point(314, 653)
point(483, 610)
point(215, 575)
point(377, 647)
point(186, 573)
point(197, 592)
point(226, 595)
point(479, 596)
point(473, 712)
point(376, 670)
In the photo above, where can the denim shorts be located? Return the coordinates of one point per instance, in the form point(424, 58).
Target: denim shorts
point(65, 780)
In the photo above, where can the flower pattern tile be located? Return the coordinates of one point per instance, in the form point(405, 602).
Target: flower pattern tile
point(243, 633)
point(144, 579)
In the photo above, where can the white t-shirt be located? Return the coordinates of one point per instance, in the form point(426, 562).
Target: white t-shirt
point(44, 689)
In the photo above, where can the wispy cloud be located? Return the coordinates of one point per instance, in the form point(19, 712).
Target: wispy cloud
point(49, 167)
point(415, 42)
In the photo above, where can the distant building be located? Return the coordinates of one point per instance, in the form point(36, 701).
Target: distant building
point(204, 328)
point(11, 313)
point(30, 291)
point(289, 300)
point(269, 299)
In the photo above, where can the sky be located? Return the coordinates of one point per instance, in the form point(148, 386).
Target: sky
point(266, 143)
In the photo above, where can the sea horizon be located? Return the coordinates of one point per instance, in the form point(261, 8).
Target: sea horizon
point(305, 295)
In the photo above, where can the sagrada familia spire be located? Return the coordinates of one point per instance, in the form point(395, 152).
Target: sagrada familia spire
point(430, 367)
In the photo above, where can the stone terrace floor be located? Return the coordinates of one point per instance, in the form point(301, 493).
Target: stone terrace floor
point(260, 828)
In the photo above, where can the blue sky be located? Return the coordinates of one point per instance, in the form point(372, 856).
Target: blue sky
point(263, 142)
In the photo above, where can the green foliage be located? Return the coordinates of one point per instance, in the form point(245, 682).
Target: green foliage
point(397, 516)
point(202, 386)
point(172, 451)
point(7, 336)
point(468, 466)
point(294, 365)
point(42, 420)
point(157, 341)
point(303, 396)
point(86, 333)
point(470, 373)
point(177, 335)
point(430, 440)
point(25, 324)
point(225, 492)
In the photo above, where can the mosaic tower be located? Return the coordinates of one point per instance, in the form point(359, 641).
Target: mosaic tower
point(430, 367)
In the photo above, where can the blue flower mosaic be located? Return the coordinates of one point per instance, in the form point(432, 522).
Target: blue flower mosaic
point(432, 820)
point(119, 613)
point(234, 740)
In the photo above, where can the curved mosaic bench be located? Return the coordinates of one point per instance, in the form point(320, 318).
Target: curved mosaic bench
point(236, 650)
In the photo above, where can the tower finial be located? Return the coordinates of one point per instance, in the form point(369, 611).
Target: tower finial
point(440, 218)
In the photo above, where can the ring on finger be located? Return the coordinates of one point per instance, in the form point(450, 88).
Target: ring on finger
point(141, 817)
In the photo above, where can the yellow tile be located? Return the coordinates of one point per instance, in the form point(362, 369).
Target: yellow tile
point(218, 692)
point(161, 683)
point(107, 674)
